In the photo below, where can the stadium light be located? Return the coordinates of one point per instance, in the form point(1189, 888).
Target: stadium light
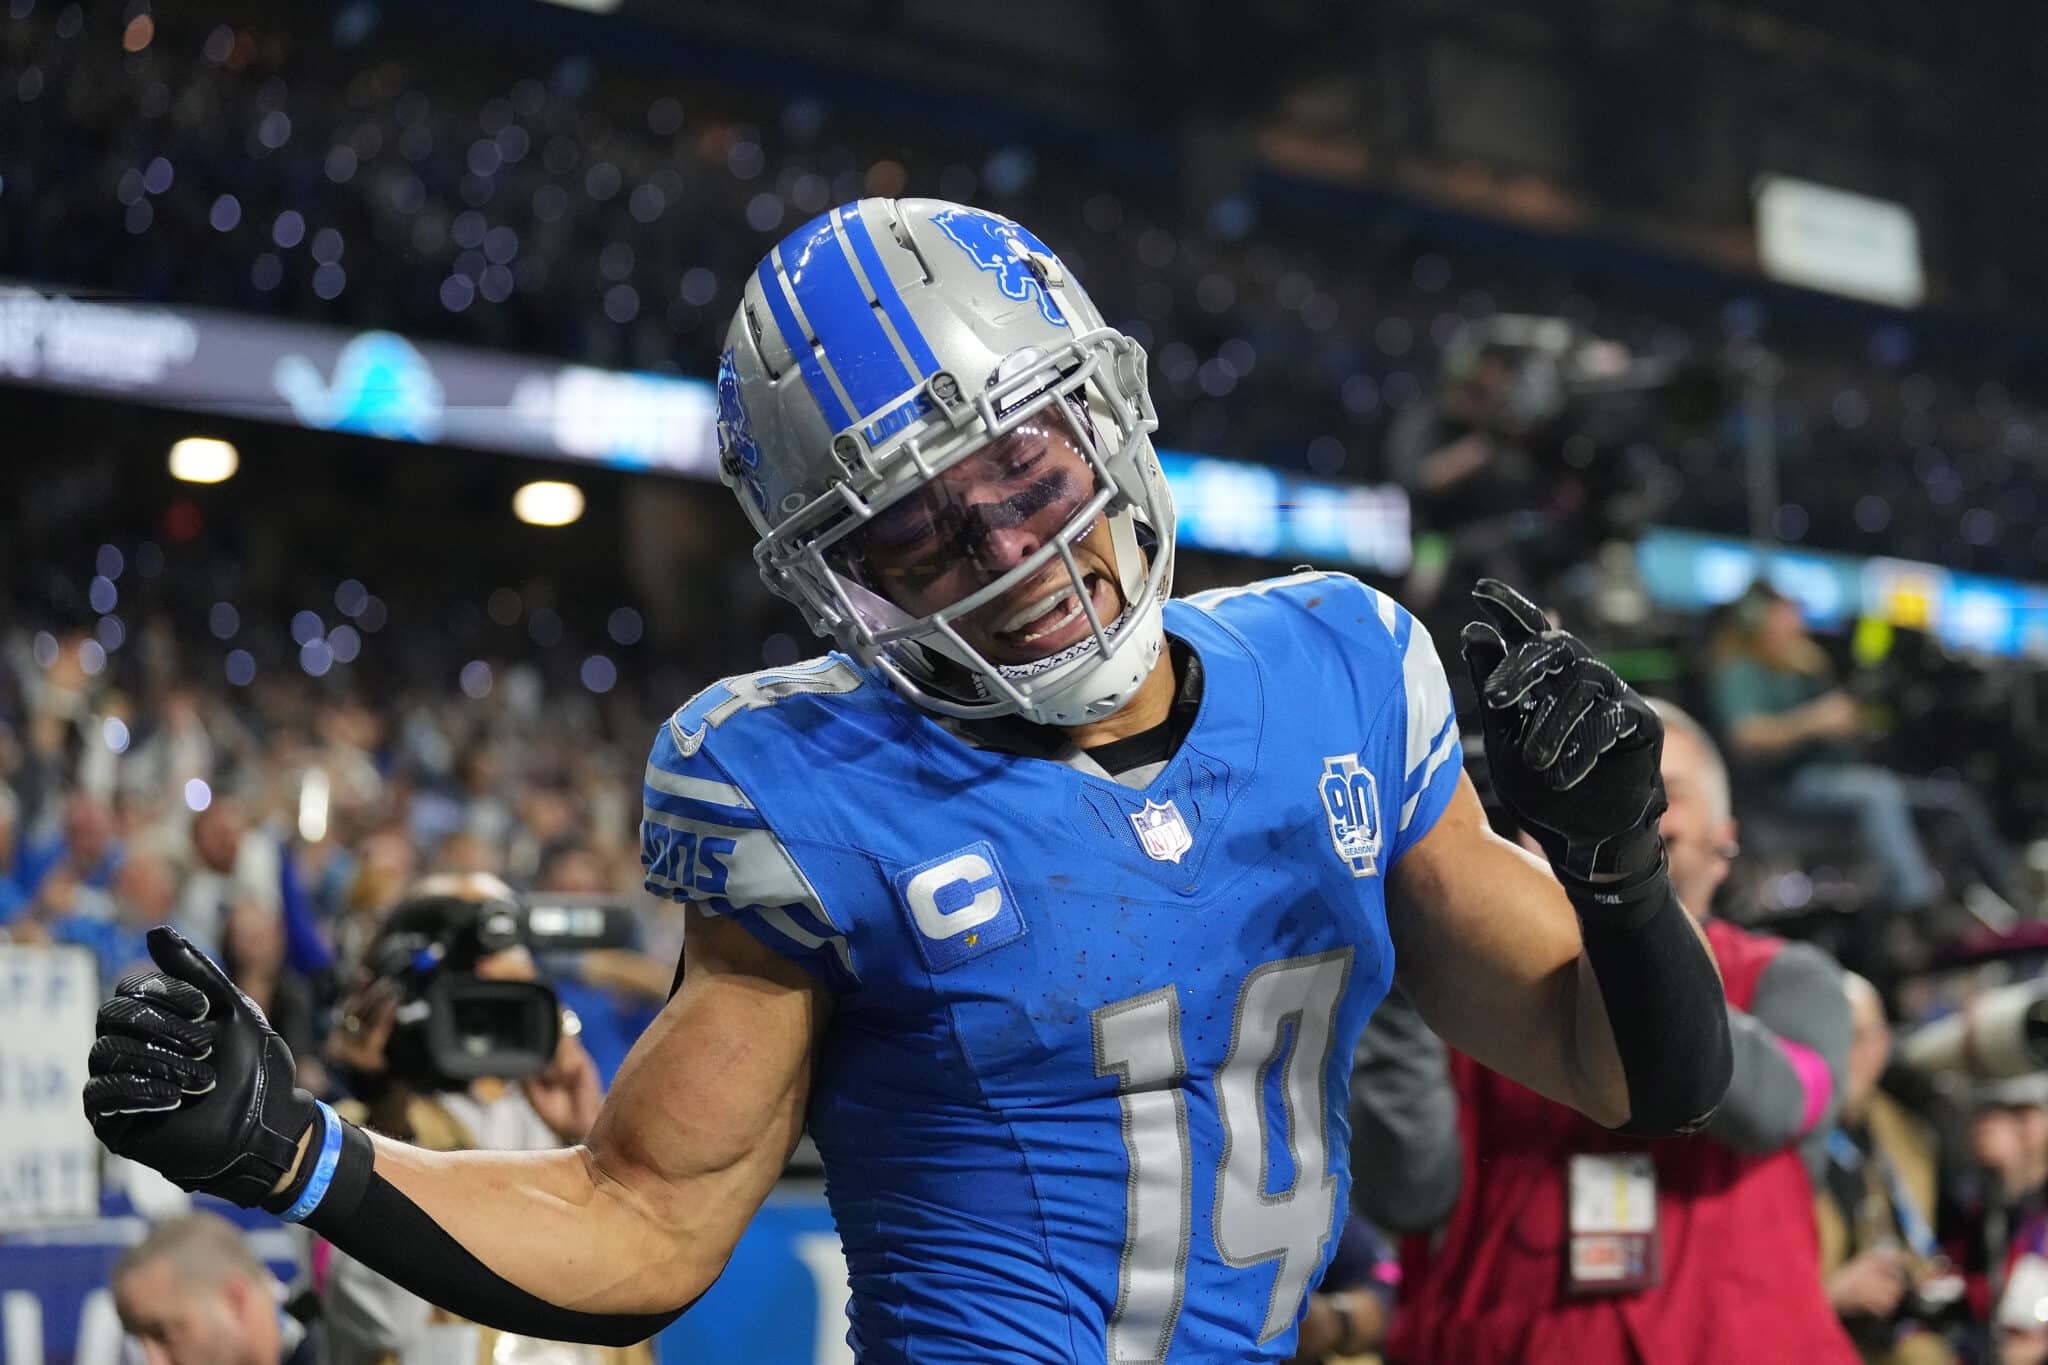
point(202, 459)
point(548, 502)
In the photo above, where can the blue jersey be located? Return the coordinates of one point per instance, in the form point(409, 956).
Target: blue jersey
point(1084, 1095)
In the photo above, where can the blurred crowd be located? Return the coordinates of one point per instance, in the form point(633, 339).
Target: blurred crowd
point(331, 164)
point(276, 824)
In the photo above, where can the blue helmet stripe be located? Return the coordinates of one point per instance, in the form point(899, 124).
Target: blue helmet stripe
point(836, 415)
point(856, 345)
point(886, 293)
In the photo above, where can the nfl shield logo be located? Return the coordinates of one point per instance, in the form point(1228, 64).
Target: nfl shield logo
point(1162, 832)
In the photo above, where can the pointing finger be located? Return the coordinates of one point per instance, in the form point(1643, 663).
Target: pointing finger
point(1516, 616)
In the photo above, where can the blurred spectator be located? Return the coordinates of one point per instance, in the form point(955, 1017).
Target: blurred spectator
point(465, 852)
point(385, 863)
point(572, 868)
point(252, 953)
point(547, 828)
point(1885, 1273)
point(191, 1292)
point(144, 895)
point(2009, 1137)
point(2009, 1141)
point(469, 814)
point(616, 992)
point(1570, 1243)
point(179, 748)
point(12, 897)
point(1473, 474)
point(83, 850)
point(2009, 1146)
point(1348, 1314)
point(232, 864)
point(1794, 730)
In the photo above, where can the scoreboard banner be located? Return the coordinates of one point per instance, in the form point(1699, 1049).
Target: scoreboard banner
point(384, 385)
point(371, 383)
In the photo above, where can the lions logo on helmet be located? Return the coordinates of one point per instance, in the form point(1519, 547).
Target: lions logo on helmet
point(879, 358)
point(998, 245)
point(737, 448)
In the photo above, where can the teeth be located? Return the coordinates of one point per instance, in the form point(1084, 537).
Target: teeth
point(1031, 611)
point(1067, 618)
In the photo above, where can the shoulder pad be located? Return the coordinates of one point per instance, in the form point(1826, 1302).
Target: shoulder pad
point(827, 675)
point(703, 840)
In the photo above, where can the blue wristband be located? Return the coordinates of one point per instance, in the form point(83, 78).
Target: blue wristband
point(323, 1168)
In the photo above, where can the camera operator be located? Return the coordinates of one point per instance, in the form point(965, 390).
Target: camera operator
point(1518, 464)
point(1885, 1275)
point(1567, 1243)
point(1469, 465)
point(386, 1048)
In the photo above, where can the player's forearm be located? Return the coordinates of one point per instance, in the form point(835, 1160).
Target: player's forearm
point(1592, 1058)
point(544, 1244)
point(555, 1225)
point(1665, 1012)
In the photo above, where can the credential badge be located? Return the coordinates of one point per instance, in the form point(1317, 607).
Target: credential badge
point(1351, 800)
point(1162, 832)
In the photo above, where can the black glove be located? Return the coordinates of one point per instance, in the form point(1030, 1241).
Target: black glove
point(1573, 751)
point(188, 1077)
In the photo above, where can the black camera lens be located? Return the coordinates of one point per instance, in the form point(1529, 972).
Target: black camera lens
point(497, 927)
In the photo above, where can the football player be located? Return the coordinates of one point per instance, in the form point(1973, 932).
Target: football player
point(1051, 906)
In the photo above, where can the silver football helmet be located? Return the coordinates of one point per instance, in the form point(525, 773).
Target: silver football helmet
point(925, 417)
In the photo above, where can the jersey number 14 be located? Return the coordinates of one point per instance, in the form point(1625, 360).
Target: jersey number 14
point(1288, 1005)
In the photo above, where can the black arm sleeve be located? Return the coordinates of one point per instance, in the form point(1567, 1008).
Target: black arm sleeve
point(368, 1217)
point(1665, 1005)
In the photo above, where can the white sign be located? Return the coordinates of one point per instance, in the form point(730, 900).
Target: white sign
point(1845, 243)
point(49, 1159)
point(97, 345)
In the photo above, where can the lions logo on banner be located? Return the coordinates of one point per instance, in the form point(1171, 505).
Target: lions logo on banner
point(1351, 800)
point(382, 386)
point(736, 442)
point(996, 244)
point(1162, 832)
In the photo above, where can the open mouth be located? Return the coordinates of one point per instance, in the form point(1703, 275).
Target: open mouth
point(1054, 619)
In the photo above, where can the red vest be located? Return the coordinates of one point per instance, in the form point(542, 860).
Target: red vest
point(1741, 1260)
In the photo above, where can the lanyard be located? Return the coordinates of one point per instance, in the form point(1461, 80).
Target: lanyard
point(1913, 1224)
